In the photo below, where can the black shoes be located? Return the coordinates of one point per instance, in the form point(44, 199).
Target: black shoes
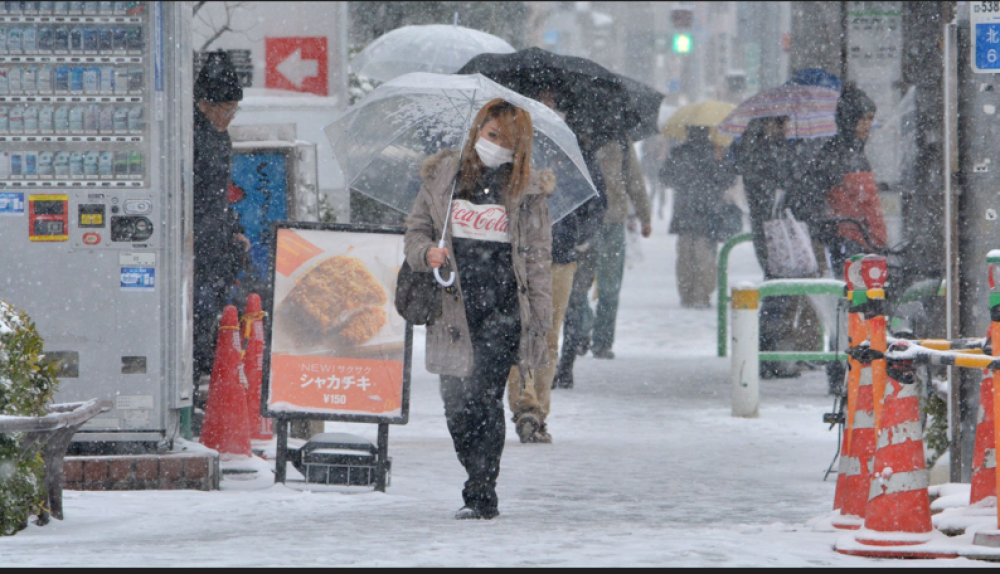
point(563, 378)
point(603, 354)
point(467, 513)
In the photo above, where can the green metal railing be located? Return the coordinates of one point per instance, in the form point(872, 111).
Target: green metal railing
point(723, 288)
point(773, 288)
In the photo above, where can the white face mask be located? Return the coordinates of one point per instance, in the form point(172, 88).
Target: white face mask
point(493, 155)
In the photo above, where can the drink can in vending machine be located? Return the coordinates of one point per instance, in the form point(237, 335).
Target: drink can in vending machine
point(90, 163)
point(91, 40)
point(45, 164)
point(91, 80)
point(60, 40)
point(4, 125)
point(14, 37)
point(90, 118)
point(135, 164)
point(121, 120)
point(76, 164)
point(45, 74)
point(17, 165)
point(105, 163)
point(76, 119)
point(107, 44)
point(46, 115)
point(121, 80)
point(136, 80)
point(76, 40)
point(29, 40)
point(106, 123)
point(29, 80)
point(136, 120)
point(60, 120)
point(121, 164)
point(31, 120)
point(31, 164)
point(62, 79)
point(60, 164)
point(76, 79)
point(60, 8)
point(4, 81)
point(14, 81)
point(45, 34)
point(107, 80)
point(3, 40)
point(16, 122)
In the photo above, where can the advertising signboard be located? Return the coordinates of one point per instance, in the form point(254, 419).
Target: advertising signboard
point(336, 348)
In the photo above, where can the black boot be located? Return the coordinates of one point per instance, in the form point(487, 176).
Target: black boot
point(563, 378)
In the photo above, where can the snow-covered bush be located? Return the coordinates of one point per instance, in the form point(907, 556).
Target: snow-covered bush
point(26, 388)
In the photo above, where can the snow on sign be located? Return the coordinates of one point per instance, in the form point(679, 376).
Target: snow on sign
point(297, 64)
point(985, 21)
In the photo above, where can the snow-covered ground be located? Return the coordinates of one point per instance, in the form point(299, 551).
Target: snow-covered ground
point(647, 468)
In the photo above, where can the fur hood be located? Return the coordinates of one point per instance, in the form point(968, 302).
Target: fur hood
point(440, 164)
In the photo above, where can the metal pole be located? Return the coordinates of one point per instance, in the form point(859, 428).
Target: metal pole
point(383, 457)
point(281, 460)
point(745, 374)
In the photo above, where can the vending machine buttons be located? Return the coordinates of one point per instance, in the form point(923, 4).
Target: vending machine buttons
point(91, 215)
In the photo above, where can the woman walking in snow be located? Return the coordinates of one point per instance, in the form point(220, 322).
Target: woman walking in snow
point(498, 310)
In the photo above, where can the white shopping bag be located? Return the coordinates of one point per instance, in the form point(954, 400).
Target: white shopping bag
point(789, 247)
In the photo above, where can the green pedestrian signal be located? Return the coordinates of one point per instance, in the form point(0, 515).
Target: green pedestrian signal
point(682, 43)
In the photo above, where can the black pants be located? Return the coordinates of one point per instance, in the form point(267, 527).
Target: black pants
point(473, 407)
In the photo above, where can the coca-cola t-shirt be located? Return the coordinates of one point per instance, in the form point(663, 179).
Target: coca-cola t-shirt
point(483, 257)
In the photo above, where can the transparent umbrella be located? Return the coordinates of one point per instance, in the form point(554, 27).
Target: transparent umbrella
point(436, 48)
point(382, 141)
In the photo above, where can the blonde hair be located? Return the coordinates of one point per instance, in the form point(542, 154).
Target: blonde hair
point(516, 131)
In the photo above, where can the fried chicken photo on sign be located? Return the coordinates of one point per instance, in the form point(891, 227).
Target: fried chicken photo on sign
point(341, 297)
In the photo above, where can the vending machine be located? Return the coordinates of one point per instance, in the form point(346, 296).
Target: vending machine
point(95, 184)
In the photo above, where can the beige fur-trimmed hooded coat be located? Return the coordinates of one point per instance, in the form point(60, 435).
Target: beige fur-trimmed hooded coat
point(449, 345)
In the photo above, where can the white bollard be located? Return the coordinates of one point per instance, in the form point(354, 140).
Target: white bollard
point(746, 363)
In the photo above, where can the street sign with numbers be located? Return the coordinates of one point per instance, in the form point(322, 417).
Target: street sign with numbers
point(985, 20)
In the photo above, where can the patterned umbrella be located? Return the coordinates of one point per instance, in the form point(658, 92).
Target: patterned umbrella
point(811, 111)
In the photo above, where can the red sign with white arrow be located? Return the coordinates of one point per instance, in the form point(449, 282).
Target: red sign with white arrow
point(297, 64)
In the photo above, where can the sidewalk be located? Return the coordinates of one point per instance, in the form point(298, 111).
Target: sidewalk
point(648, 468)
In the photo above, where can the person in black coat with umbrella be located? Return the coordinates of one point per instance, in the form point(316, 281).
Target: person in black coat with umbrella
point(219, 243)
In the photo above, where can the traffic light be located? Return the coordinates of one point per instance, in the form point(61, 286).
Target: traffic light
point(682, 17)
point(682, 43)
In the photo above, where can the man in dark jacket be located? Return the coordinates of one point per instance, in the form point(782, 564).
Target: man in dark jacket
point(699, 178)
point(840, 183)
point(571, 236)
point(219, 243)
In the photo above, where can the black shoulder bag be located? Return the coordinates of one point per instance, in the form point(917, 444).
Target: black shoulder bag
point(418, 296)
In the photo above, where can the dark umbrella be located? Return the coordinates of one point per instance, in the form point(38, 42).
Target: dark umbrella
point(599, 104)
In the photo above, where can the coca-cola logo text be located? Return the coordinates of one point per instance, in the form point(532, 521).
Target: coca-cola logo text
point(480, 218)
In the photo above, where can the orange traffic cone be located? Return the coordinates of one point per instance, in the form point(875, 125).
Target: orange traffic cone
point(225, 428)
point(898, 518)
point(849, 461)
point(898, 501)
point(984, 461)
point(253, 368)
point(855, 472)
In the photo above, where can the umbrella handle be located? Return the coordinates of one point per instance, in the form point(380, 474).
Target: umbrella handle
point(437, 271)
